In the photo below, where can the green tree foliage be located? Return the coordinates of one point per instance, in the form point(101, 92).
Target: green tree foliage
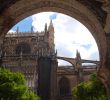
point(13, 87)
point(91, 90)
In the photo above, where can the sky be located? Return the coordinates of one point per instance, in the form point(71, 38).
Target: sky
point(70, 34)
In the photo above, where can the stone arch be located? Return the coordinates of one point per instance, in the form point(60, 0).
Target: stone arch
point(67, 60)
point(64, 87)
point(16, 11)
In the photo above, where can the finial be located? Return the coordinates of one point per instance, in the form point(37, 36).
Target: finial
point(17, 30)
point(78, 55)
point(56, 53)
point(51, 27)
point(32, 29)
point(77, 52)
point(45, 27)
point(51, 23)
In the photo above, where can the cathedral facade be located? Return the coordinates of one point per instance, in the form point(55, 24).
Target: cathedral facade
point(22, 50)
point(20, 53)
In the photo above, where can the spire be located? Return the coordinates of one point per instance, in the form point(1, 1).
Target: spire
point(51, 23)
point(45, 27)
point(78, 55)
point(51, 38)
point(32, 29)
point(51, 27)
point(17, 30)
point(56, 53)
point(78, 61)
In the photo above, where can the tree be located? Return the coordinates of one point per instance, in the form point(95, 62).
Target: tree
point(13, 87)
point(91, 90)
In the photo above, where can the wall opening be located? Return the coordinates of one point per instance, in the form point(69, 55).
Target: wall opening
point(70, 36)
point(64, 87)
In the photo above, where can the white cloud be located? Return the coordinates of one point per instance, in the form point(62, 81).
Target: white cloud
point(11, 31)
point(40, 19)
point(70, 35)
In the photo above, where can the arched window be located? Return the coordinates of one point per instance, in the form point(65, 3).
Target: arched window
point(24, 48)
point(64, 87)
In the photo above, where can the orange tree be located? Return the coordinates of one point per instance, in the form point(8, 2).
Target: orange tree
point(91, 90)
point(13, 87)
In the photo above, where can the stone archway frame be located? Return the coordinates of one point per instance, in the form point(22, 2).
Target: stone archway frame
point(62, 81)
point(24, 8)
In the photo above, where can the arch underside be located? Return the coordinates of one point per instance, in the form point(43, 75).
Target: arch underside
point(18, 11)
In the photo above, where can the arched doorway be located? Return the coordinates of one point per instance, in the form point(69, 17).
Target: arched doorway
point(64, 89)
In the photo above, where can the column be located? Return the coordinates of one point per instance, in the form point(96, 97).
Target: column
point(53, 80)
point(44, 76)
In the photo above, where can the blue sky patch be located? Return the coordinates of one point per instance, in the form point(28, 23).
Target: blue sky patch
point(53, 16)
point(88, 46)
point(24, 25)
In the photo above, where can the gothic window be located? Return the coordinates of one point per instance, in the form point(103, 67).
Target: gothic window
point(24, 48)
point(33, 40)
point(64, 87)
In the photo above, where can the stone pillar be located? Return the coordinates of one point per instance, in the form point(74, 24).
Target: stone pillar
point(44, 71)
point(104, 76)
point(47, 78)
point(104, 70)
point(53, 87)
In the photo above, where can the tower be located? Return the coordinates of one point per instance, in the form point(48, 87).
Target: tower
point(17, 30)
point(51, 37)
point(78, 60)
point(48, 66)
point(32, 29)
point(79, 67)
